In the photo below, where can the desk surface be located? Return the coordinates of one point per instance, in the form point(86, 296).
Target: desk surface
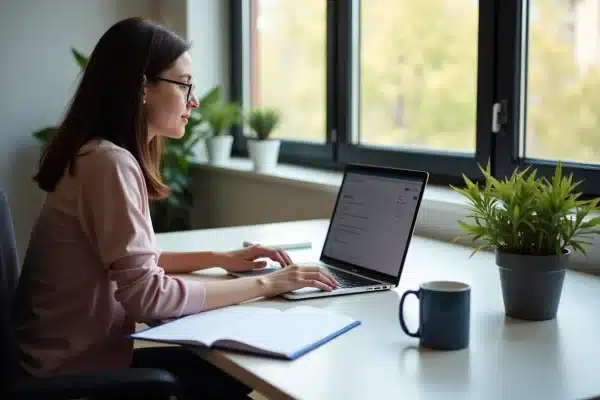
point(507, 359)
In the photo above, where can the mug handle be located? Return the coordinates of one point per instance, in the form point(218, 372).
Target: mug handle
point(401, 314)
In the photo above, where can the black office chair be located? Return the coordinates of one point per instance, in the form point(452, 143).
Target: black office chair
point(128, 383)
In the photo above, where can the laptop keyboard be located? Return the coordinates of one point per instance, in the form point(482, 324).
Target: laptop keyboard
point(347, 280)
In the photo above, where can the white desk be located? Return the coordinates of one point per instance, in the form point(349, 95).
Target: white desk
point(507, 359)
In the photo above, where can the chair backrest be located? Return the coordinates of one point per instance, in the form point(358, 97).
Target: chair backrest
point(9, 276)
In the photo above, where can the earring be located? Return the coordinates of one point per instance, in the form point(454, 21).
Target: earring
point(144, 101)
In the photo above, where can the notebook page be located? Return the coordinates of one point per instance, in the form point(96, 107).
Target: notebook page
point(293, 331)
point(205, 327)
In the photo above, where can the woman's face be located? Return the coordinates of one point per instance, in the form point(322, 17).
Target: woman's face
point(167, 103)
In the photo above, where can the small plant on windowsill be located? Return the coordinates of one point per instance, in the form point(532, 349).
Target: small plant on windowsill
point(220, 116)
point(533, 224)
point(263, 150)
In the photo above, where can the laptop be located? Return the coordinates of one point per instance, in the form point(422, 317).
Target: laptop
point(370, 230)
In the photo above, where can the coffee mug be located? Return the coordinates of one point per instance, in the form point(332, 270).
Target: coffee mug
point(444, 315)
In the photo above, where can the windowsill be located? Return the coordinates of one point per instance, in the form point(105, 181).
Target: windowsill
point(285, 173)
point(441, 207)
point(317, 178)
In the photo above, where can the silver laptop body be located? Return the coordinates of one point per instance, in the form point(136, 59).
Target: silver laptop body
point(370, 229)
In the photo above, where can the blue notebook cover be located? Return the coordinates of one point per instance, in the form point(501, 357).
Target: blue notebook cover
point(255, 330)
point(326, 339)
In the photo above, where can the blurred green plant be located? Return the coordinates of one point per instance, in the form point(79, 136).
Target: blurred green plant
point(220, 115)
point(173, 212)
point(263, 122)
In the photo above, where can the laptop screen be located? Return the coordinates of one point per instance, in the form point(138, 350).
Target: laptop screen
point(373, 221)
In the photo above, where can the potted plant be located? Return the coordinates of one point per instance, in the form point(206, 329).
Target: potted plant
point(197, 125)
point(533, 225)
point(263, 150)
point(220, 116)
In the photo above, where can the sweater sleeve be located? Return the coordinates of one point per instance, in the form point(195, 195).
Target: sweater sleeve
point(115, 216)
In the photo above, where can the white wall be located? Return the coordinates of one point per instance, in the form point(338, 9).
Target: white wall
point(172, 14)
point(208, 30)
point(205, 23)
point(37, 75)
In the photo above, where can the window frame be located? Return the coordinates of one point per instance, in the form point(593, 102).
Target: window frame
point(506, 143)
point(498, 74)
point(443, 167)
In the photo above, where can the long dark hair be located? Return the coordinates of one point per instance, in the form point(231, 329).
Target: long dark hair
point(108, 102)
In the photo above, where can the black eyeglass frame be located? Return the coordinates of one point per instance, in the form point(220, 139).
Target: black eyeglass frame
point(190, 86)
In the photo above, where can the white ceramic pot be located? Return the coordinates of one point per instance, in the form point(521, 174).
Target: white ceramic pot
point(264, 154)
point(200, 151)
point(219, 148)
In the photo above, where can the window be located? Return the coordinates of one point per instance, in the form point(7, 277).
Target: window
point(419, 84)
point(563, 78)
point(287, 65)
point(418, 74)
point(281, 57)
point(557, 92)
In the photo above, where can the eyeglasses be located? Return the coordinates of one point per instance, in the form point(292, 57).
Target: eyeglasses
point(190, 87)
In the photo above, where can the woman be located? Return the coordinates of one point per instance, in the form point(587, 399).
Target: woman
point(92, 268)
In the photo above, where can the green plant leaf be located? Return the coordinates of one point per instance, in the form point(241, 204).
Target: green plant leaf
point(79, 58)
point(526, 214)
point(45, 134)
point(212, 97)
point(263, 121)
point(221, 117)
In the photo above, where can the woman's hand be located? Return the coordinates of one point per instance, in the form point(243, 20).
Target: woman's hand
point(245, 259)
point(295, 277)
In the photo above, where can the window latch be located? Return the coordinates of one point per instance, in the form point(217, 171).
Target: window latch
point(499, 115)
point(333, 135)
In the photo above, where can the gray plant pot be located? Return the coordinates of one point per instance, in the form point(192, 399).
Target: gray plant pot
point(531, 285)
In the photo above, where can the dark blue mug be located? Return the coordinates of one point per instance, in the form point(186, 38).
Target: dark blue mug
point(444, 315)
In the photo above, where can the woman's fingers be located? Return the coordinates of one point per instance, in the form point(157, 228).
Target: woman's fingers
point(315, 283)
point(286, 257)
point(322, 277)
point(277, 255)
point(282, 258)
point(331, 278)
point(323, 272)
point(295, 277)
point(316, 274)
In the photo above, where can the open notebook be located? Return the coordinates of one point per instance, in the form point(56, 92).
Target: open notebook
point(263, 331)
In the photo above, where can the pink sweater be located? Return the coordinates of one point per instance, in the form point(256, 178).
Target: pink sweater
point(91, 270)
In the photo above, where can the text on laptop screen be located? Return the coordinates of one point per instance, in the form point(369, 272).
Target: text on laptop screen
point(373, 221)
